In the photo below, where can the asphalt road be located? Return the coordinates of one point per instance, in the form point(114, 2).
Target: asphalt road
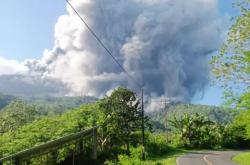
point(208, 158)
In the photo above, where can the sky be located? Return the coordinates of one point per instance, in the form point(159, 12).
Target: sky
point(27, 29)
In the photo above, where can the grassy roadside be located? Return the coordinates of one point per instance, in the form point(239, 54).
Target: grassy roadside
point(169, 159)
point(243, 158)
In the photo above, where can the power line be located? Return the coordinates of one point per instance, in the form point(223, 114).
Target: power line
point(130, 76)
point(103, 45)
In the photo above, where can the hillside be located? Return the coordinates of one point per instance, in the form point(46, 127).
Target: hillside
point(48, 105)
point(5, 100)
point(57, 105)
point(214, 113)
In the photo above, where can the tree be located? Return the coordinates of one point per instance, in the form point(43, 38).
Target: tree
point(232, 66)
point(241, 127)
point(197, 130)
point(123, 116)
point(16, 114)
point(49, 128)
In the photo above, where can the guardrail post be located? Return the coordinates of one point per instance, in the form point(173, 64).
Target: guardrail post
point(54, 157)
point(94, 156)
point(94, 144)
point(17, 161)
point(51, 148)
point(81, 146)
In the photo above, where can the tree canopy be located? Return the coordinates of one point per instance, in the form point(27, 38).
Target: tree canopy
point(231, 66)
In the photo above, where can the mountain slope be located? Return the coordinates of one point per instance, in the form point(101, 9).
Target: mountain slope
point(5, 100)
point(214, 113)
point(48, 105)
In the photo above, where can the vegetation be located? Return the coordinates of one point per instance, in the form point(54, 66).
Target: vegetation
point(243, 158)
point(232, 66)
point(238, 131)
point(49, 128)
point(119, 137)
point(168, 158)
point(50, 106)
point(29, 121)
point(124, 117)
point(34, 121)
point(213, 113)
point(5, 100)
point(47, 106)
point(197, 131)
point(119, 126)
point(231, 69)
point(15, 115)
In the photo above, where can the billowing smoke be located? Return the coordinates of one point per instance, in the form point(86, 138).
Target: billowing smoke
point(9, 67)
point(163, 44)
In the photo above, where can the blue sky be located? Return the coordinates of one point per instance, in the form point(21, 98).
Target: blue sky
point(27, 28)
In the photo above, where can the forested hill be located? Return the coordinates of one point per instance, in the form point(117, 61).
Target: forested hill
point(48, 105)
point(58, 105)
point(5, 100)
point(217, 114)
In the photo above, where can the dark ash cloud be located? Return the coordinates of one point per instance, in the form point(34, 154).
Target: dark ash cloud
point(164, 44)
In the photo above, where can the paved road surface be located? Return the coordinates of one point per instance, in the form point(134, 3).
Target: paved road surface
point(208, 158)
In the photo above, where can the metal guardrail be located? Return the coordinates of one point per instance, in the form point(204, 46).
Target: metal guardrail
point(43, 148)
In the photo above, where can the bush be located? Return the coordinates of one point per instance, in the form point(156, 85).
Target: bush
point(197, 131)
point(237, 134)
point(133, 159)
point(157, 144)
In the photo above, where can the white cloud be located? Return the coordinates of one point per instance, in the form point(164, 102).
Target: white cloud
point(8, 67)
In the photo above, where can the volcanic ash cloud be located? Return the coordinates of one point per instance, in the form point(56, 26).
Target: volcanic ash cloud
point(163, 44)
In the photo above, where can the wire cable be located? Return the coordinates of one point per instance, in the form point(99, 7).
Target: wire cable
point(103, 45)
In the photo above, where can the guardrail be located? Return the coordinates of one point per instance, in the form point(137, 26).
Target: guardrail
point(53, 145)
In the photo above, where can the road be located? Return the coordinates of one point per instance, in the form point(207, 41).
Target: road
point(207, 158)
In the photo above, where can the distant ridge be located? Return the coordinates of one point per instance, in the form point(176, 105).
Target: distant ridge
point(6, 99)
point(48, 104)
point(217, 114)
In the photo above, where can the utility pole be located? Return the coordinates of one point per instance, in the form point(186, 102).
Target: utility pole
point(166, 118)
point(94, 156)
point(143, 133)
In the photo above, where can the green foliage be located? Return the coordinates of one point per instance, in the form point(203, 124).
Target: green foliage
point(16, 114)
point(197, 131)
point(231, 67)
point(158, 153)
point(243, 120)
point(157, 144)
point(215, 114)
point(238, 134)
point(232, 64)
point(50, 106)
point(243, 158)
point(123, 117)
point(119, 136)
point(243, 101)
point(133, 159)
point(50, 128)
point(5, 100)
point(233, 137)
point(120, 123)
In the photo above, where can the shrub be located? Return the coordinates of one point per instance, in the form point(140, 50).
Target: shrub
point(133, 159)
point(237, 134)
point(157, 144)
